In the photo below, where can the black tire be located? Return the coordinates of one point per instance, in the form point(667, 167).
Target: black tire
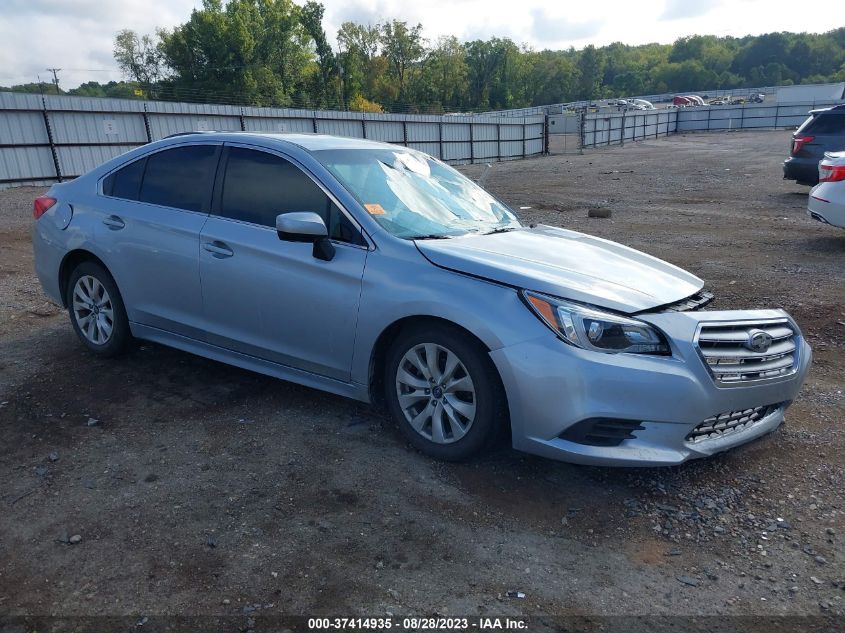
point(120, 335)
point(491, 414)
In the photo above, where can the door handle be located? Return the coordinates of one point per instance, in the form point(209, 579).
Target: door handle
point(114, 223)
point(218, 249)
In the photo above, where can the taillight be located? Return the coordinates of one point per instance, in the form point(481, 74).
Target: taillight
point(41, 205)
point(799, 141)
point(831, 173)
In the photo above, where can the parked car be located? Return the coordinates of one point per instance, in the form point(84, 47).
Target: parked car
point(823, 131)
point(757, 98)
point(641, 104)
point(379, 273)
point(682, 102)
point(827, 199)
point(719, 101)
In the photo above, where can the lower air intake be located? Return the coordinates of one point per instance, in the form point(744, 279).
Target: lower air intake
point(731, 422)
point(601, 431)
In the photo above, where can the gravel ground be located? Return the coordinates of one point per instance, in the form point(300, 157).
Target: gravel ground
point(163, 483)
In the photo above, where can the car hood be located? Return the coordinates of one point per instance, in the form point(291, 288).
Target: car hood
point(566, 264)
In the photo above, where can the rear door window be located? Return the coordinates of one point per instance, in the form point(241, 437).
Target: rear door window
point(181, 177)
point(125, 182)
point(258, 186)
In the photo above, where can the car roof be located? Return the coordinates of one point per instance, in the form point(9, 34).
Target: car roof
point(310, 142)
point(837, 109)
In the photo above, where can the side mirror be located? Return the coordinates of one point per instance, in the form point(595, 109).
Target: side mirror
point(306, 226)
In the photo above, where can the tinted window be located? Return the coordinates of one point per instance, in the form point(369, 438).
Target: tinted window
point(125, 182)
point(181, 177)
point(258, 186)
point(827, 124)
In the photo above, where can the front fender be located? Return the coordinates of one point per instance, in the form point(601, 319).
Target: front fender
point(398, 288)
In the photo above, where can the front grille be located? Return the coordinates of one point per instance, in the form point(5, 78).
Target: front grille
point(732, 357)
point(730, 422)
point(601, 431)
point(695, 302)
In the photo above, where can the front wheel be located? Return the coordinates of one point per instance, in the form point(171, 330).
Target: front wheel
point(444, 392)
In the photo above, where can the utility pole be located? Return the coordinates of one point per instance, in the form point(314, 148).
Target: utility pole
point(55, 72)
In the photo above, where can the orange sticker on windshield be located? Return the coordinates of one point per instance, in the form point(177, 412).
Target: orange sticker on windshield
point(375, 209)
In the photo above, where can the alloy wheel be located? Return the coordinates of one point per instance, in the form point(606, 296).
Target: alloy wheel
point(436, 393)
point(93, 310)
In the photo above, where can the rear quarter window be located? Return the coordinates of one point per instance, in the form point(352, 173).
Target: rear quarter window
point(125, 182)
point(825, 124)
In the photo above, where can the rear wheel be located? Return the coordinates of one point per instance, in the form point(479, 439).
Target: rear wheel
point(96, 310)
point(443, 391)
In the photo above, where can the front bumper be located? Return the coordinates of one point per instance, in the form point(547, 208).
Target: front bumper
point(552, 386)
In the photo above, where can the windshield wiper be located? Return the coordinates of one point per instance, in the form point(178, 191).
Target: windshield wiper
point(431, 236)
point(501, 229)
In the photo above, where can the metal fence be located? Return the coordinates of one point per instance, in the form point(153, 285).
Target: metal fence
point(617, 128)
point(749, 116)
point(770, 92)
point(49, 138)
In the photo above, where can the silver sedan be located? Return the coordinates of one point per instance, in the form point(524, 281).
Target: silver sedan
point(379, 273)
point(827, 199)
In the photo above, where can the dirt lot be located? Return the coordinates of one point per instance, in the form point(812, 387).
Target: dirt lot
point(201, 489)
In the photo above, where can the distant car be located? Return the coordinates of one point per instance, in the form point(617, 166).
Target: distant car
point(642, 104)
point(718, 102)
point(757, 98)
point(682, 102)
point(827, 199)
point(696, 100)
point(823, 131)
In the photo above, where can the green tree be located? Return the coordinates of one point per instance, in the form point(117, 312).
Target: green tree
point(138, 57)
point(251, 51)
point(493, 72)
point(274, 52)
point(324, 89)
point(591, 63)
point(358, 46)
point(443, 77)
point(403, 47)
point(33, 88)
point(549, 77)
point(112, 89)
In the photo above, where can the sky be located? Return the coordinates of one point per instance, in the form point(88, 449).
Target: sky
point(77, 35)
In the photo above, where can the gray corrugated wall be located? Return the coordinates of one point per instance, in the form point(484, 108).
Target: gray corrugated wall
point(45, 138)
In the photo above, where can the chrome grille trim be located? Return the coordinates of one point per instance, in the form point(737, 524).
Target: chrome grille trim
point(725, 348)
point(719, 426)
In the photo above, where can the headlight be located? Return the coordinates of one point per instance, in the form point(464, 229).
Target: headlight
point(594, 329)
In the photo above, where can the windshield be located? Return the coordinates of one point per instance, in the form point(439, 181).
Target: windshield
point(414, 196)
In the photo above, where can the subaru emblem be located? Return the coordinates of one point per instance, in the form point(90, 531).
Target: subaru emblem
point(759, 341)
